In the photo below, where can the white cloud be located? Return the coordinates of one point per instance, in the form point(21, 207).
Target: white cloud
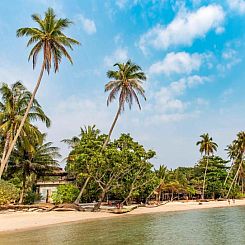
point(230, 58)
point(227, 94)
point(119, 55)
point(88, 25)
point(229, 54)
point(202, 102)
point(167, 118)
point(121, 3)
point(11, 73)
point(185, 28)
point(126, 3)
point(167, 98)
point(181, 63)
point(237, 5)
point(195, 80)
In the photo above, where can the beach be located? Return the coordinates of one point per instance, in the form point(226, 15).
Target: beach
point(14, 221)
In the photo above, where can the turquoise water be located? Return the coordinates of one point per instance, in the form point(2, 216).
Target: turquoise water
point(210, 226)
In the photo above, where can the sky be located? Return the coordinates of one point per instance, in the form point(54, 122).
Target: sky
point(191, 51)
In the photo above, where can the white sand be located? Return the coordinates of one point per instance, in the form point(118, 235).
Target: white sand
point(29, 220)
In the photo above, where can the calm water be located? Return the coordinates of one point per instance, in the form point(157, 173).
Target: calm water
point(212, 226)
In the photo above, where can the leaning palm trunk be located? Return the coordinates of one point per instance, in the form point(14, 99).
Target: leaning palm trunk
point(11, 147)
point(204, 180)
point(232, 165)
point(82, 190)
point(234, 179)
point(229, 173)
point(6, 145)
point(23, 189)
point(112, 127)
point(152, 192)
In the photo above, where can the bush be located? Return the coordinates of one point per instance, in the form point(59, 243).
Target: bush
point(8, 192)
point(31, 197)
point(65, 194)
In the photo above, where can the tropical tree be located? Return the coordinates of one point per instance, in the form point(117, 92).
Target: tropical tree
point(49, 39)
point(233, 154)
point(135, 158)
point(85, 150)
point(216, 174)
point(207, 147)
point(33, 157)
point(13, 104)
point(127, 82)
point(236, 151)
point(160, 174)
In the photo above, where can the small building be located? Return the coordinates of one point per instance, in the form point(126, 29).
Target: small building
point(47, 184)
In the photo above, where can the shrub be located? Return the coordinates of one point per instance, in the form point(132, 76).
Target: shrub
point(65, 194)
point(31, 197)
point(8, 192)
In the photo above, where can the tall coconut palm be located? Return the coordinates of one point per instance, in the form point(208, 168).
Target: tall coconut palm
point(207, 147)
point(13, 103)
point(34, 157)
point(49, 39)
point(127, 82)
point(238, 147)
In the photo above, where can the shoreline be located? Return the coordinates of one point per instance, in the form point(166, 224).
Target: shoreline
point(22, 221)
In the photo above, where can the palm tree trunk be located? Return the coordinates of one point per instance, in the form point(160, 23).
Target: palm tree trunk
point(6, 145)
point(82, 190)
point(242, 186)
point(204, 180)
point(233, 181)
point(11, 147)
point(23, 188)
point(232, 165)
point(112, 127)
point(229, 173)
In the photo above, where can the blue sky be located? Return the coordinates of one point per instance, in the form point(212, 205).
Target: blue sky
point(192, 52)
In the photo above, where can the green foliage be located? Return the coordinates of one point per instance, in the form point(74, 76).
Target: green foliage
point(8, 192)
point(122, 170)
point(65, 194)
point(127, 82)
point(48, 38)
point(31, 197)
point(215, 177)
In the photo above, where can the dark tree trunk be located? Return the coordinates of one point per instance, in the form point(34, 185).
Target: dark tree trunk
point(23, 189)
point(98, 204)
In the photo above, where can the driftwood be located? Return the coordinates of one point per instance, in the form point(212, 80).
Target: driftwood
point(123, 210)
point(42, 207)
point(20, 207)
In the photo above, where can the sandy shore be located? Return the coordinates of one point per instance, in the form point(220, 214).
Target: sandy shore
point(23, 220)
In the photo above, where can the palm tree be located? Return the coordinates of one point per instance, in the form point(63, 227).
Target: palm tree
point(237, 154)
point(15, 99)
point(50, 39)
point(161, 174)
point(34, 157)
point(207, 147)
point(233, 155)
point(127, 81)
